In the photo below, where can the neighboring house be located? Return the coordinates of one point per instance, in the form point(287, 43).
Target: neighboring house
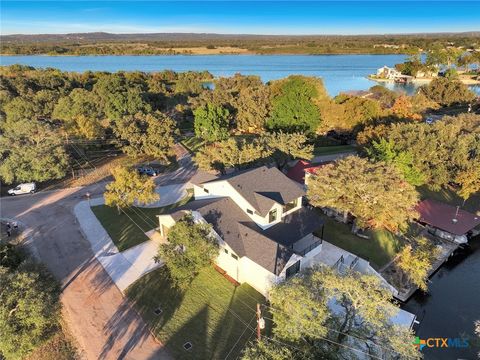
point(264, 232)
point(303, 169)
point(446, 221)
point(386, 72)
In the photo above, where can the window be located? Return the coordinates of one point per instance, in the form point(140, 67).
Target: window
point(250, 211)
point(292, 270)
point(226, 251)
point(206, 190)
point(272, 215)
point(234, 256)
point(290, 205)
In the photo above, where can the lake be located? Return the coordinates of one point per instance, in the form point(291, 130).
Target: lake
point(339, 72)
point(452, 305)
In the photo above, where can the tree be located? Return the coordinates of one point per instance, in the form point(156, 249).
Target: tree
point(211, 122)
point(384, 150)
point(151, 134)
point(80, 113)
point(253, 108)
point(31, 150)
point(299, 309)
point(232, 153)
point(29, 309)
point(293, 107)
point(447, 92)
point(191, 247)
point(415, 262)
point(444, 153)
point(326, 314)
point(375, 193)
point(285, 147)
point(271, 350)
point(128, 188)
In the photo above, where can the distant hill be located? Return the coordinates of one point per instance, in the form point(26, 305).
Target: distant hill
point(101, 43)
point(188, 37)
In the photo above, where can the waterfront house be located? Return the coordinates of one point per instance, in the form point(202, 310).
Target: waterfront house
point(386, 72)
point(448, 222)
point(264, 232)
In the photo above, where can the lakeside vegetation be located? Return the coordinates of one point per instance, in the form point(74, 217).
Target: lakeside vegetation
point(172, 44)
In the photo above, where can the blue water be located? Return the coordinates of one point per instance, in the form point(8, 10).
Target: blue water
point(339, 72)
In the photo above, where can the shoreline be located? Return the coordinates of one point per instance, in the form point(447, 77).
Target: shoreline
point(424, 81)
point(246, 53)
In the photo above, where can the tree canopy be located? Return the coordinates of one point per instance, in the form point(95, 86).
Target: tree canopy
point(211, 122)
point(190, 248)
point(29, 309)
point(293, 107)
point(375, 193)
point(129, 188)
point(446, 91)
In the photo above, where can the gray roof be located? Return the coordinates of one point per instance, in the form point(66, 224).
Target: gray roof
point(262, 187)
point(269, 248)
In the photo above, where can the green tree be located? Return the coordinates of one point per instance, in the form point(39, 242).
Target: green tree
point(253, 108)
point(29, 309)
point(190, 248)
point(326, 314)
point(31, 150)
point(128, 188)
point(232, 153)
point(447, 92)
point(211, 122)
point(384, 150)
point(151, 134)
point(293, 107)
point(80, 113)
point(299, 309)
point(271, 350)
point(285, 147)
point(375, 193)
point(415, 262)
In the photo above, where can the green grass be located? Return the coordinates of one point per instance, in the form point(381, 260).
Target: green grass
point(128, 228)
point(204, 314)
point(193, 143)
point(327, 150)
point(379, 249)
point(450, 197)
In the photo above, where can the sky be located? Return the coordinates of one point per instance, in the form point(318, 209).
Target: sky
point(239, 17)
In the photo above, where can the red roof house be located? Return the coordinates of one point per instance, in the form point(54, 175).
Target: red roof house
point(297, 172)
point(446, 217)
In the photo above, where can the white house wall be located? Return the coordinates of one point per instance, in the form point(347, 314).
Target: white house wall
point(256, 276)
point(224, 189)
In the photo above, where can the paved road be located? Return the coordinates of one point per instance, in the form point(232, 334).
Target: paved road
point(99, 317)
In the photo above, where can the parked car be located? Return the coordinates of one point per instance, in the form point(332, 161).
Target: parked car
point(27, 188)
point(147, 170)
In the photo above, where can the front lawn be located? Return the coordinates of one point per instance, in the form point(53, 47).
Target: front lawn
point(128, 228)
point(206, 314)
point(328, 150)
point(379, 249)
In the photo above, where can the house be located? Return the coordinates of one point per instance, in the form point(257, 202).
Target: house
point(446, 221)
point(386, 72)
point(302, 169)
point(264, 232)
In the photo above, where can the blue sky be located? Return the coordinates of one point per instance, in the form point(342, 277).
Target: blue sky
point(230, 17)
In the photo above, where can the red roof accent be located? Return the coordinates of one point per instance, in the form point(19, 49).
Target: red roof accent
point(441, 216)
point(297, 172)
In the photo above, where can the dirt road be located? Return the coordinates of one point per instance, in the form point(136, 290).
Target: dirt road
point(99, 317)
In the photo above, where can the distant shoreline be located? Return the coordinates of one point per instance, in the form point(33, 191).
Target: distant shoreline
point(207, 54)
point(467, 81)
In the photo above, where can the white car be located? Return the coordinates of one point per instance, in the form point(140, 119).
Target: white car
point(27, 188)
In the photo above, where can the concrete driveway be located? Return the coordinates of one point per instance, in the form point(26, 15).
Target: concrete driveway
point(124, 267)
point(169, 194)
